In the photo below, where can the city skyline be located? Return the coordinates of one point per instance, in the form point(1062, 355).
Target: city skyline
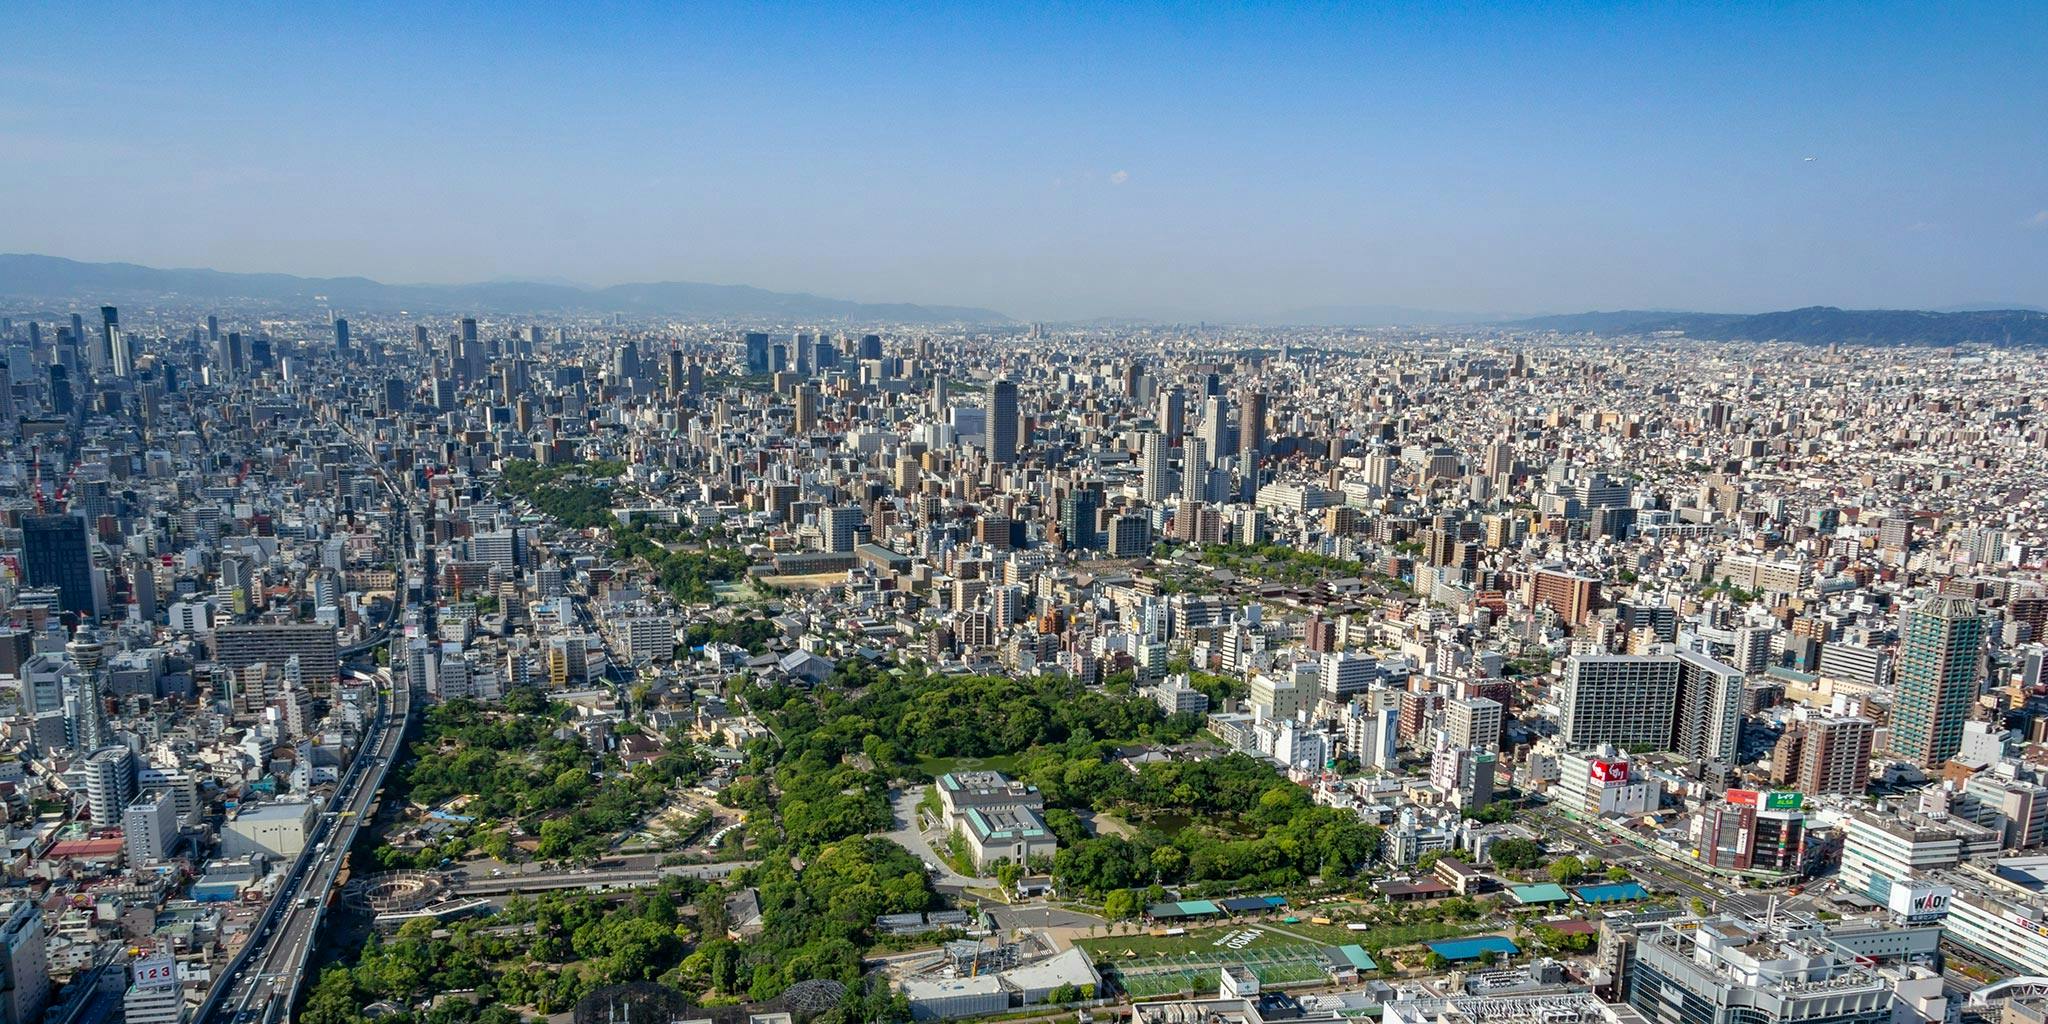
point(1144, 162)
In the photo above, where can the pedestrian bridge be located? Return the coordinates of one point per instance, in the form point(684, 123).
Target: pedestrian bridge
point(2023, 987)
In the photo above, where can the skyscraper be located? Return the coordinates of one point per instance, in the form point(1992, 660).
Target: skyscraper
point(1158, 478)
point(1173, 414)
point(1251, 428)
point(1215, 431)
point(1708, 722)
point(54, 554)
point(1941, 641)
point(1002, 422)
point(341, 337)
point(757, 352)
point(113, 352)
point(806, 400)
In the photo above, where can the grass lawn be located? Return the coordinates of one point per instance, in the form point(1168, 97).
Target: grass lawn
point(937, 766)
point(1385, 936)
point(1197, 942)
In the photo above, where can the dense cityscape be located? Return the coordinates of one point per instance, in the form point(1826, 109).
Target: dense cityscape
point(426, 667)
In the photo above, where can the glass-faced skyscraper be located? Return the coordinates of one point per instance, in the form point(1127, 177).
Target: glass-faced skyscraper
point(1002, 422)
point(54, 554)
point(1938, 650)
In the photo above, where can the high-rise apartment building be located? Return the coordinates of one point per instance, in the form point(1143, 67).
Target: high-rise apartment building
point(1940, 643)
point(1685, 702)
point(1834, 755)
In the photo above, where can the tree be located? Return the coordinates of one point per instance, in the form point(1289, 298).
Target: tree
point(1435, 961)
point(1566, 870)
point(1515, 854)
point(1120, 904)
point(1007, 875)
point(1617, 873)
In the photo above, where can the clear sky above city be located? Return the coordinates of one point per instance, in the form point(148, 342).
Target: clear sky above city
point(1056, 162)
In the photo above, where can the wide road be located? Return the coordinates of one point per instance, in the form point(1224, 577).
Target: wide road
point(267, 981)
point(261, 983)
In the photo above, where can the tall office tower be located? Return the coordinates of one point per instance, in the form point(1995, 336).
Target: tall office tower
point(54, 554)
point(231, 356)
point(1002, 422)
point(757, 352)
point(672, 370)
point(341, 337)
point(1158, 478)
point(1173, 414)
point(826, 353)
point(626, 363)
point(1708, 721)
point(1194, 468)
point(806, 354)
point(1834, 755)
point(101, 354)
point(469, 330)
point(1940, 643)
point(806, 400)
point(420, 340)
point(1078, 514)
point(1134, 372)
point(25, 986)
point(60, 389)
point(77, 333)
point(1251, 428)
point(212, 329)
point(6, 397)
point(870, 347)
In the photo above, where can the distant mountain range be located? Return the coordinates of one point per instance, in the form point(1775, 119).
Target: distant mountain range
point(1381, 316)
point(1815, 325)
point(37, 276)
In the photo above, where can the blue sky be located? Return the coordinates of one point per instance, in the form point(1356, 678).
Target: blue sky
point(1056, 161)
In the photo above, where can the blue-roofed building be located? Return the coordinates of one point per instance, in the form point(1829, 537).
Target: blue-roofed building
point(1615, 892)
point(1475, 947)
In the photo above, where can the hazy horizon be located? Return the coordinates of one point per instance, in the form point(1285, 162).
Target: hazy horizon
point(1140, 162)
